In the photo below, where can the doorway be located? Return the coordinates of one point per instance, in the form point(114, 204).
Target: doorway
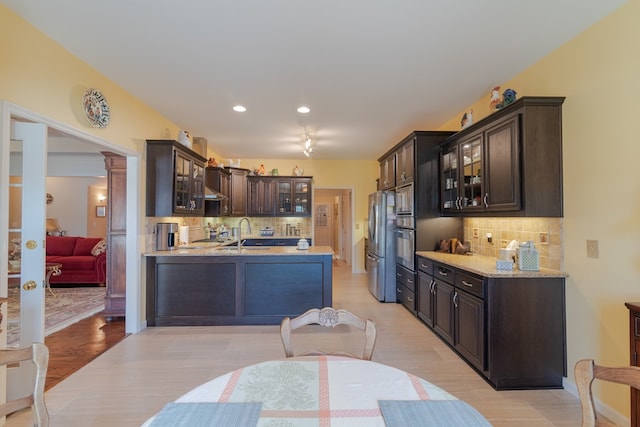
point(11, 113)
point(333, 221)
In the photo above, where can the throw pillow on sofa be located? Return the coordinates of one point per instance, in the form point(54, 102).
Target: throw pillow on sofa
point(84, 246)
point(99, 247)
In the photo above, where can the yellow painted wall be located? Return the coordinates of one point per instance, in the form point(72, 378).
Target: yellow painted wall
point(598, 72)
point(40, 75)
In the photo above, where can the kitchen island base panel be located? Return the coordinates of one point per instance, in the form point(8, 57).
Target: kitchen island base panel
point(235, 290)
point(300, 288)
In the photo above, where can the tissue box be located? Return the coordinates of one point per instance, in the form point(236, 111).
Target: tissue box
point(528, 257)
point(504, 265)
point(507, 254)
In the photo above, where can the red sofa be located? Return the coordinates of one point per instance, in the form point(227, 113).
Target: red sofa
point(83, 259)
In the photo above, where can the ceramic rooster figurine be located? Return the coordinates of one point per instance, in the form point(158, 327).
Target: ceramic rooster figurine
point(495, 98)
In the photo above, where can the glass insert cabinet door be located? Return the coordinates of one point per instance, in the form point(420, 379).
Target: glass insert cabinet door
point(182, 187)
point(301, 197)
point(285, 194)
point(472, 173)
point(197, 187)
point(189, 184)
point(450, 179)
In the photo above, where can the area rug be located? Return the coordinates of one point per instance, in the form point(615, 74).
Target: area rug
point(69, 306)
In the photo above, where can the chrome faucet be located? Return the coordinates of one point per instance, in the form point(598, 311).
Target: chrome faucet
point(240, 230)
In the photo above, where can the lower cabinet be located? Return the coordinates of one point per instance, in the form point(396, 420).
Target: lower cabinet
point(469, 327)
point(405, 288)
point(511, 329)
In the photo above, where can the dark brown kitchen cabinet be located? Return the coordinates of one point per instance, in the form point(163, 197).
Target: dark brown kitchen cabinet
point(387, 172)
point(405, 163)
point(469, 327)
point(293, 196)
point(425, 289)
point(217, 179)
point(509, 163)
point(634, 346)
point(416, 160)
point(238, 192)
point(175, 180)
point(405, 288)
point(511, 330)
point(443, 322)
point(425, 292)
point(260, 196)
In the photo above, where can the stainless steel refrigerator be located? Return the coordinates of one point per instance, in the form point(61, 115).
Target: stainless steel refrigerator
point(381, 253)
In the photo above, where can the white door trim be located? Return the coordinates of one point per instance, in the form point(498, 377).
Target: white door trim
point(134, 316)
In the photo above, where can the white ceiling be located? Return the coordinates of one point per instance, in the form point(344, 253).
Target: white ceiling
point(370, 70)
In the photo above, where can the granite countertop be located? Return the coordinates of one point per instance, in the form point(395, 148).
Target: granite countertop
point(485, 266)
point(230, 248)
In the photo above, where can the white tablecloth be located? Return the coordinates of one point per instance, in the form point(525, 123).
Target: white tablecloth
point(317, 390)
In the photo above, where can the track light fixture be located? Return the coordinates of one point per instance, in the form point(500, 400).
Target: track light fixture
point(307, 143)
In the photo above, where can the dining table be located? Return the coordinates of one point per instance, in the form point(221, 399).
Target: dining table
point(317, 391)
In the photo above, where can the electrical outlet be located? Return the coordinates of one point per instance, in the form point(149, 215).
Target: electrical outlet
point(476, 233)
point(592, 249)
point(503, 243)
point(543, 238)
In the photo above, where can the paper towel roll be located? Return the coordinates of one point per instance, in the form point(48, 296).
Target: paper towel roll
point(184, 234)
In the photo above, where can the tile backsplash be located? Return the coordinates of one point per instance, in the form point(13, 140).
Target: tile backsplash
point(196, 226)
point(546, 234)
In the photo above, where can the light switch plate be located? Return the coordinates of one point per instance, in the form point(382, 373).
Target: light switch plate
point(592, 249)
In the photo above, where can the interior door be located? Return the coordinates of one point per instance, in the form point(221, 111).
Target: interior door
point(323, 225)
point(30, 161)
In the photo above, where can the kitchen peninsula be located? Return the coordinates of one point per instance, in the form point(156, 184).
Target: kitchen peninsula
point(209, 284)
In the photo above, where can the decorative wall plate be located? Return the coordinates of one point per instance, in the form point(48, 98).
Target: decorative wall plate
point(96, 108)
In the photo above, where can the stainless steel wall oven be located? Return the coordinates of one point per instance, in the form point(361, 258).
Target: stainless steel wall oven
point(405, 241)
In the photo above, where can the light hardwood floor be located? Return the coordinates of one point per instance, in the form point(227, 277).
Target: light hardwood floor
point(136, 378)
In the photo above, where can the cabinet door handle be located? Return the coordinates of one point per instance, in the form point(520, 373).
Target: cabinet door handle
point(399, 274)
point(399, 290)
point(442, 272)
point(455, 299)
point(409, 281)
point(467, 284)
point(409, 299)
point(432, 286)
point(486, 200)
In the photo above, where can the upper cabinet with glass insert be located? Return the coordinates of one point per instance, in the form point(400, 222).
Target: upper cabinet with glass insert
point(175, 180)
point(507, 164)
point(293, 196)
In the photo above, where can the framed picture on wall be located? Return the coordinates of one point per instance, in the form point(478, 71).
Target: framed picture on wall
point(101, 211)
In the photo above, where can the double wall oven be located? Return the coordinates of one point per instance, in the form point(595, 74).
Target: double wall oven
point(405, 227)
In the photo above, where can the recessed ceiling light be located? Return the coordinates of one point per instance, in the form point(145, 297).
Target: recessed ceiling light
point(239, 109)
point(303, 110)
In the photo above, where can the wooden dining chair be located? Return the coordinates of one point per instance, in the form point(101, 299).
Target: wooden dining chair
point(38, 353)
point(586, 371)
point(328, 317)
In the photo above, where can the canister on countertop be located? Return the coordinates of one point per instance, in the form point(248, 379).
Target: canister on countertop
point(453, 244)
